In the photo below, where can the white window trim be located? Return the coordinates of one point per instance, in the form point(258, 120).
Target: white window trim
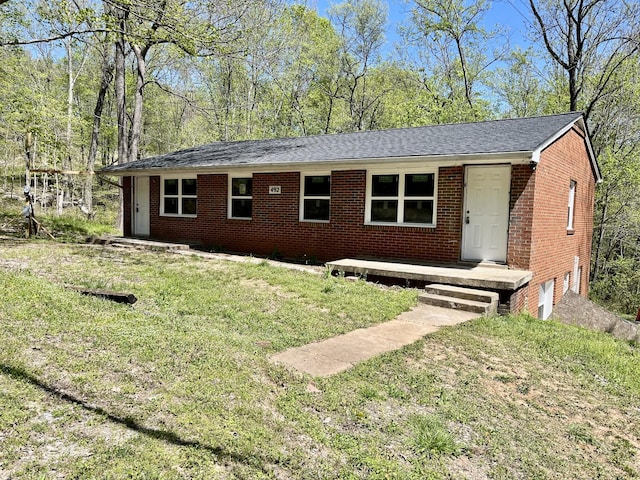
point(545, 299)
point(401, 198)
point(577, 281)
point(572, 204)
point(230, 197)
point(180, 196)
point(566, 282)
point(313, 197)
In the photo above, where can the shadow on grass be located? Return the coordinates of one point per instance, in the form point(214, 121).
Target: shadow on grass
point(169, 437)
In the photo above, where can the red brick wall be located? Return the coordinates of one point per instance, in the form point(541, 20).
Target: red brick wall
point(553, 248)
point(523, 182)
point(275, 225)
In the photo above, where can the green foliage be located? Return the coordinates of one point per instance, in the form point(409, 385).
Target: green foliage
point(432, 438)
point(73, 226)
point(619, 286)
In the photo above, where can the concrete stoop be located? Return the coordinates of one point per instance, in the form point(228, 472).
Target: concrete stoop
point(459, 298)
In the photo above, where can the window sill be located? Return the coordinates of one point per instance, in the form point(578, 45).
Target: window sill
point(396, 224)
point(177, 215)
point(304, 220)
point(239, 218)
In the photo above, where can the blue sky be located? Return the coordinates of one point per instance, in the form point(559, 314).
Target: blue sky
point(512, 14)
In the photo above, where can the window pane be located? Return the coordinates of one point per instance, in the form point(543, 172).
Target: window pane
point(316, 210)
point(384, 211)
point(319, 185)
point(189, 206)
point(171, 186)
point(419, 185)
point(572, 199)
point(189, 186)
point(241, 187)
point(241, 208)
point(384, 185)
point(418, 211)
point(170, 205)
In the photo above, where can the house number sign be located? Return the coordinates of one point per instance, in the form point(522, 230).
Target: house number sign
point(275, 190)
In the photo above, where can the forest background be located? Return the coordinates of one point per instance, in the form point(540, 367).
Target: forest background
point(85, 84)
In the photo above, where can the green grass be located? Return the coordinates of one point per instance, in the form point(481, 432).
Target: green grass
point(432, 438)
point(180, 384)
point(71, 226)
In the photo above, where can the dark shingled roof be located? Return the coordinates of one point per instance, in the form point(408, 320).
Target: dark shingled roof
point(520, 135)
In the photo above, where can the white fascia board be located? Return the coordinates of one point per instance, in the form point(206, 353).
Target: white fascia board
point(434, 161)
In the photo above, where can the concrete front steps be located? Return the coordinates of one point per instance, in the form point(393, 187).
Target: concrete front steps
point(459, 298)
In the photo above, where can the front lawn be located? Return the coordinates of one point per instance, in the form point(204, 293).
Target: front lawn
point(180, 385)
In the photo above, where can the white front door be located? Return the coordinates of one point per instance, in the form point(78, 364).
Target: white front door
point(486, 213)
point(141, 206)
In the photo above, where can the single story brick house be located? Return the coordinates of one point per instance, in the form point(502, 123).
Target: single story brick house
point(517, 192)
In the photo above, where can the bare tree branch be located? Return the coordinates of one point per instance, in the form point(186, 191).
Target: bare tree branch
point(55, 38)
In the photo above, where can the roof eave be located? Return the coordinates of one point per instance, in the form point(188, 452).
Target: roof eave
point(535, 157)
point(338, 164)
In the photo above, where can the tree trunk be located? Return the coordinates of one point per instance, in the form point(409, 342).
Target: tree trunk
point(465, 76)
point(107, 77)
point(136, 120)
point(66, 163)
point(121, 15)
point(596, 262)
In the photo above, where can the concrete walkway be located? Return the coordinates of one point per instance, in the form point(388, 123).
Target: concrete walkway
point(340, 353)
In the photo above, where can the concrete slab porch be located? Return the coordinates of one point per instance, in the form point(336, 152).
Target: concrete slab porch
point(478, 276)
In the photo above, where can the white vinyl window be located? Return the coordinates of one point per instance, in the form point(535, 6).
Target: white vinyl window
point(315, 202)
point(545, 299)
point(577, 273)
point(571, 206)
point(401, 198)
point(240, 197)
point(577, 281)
point(179, 196)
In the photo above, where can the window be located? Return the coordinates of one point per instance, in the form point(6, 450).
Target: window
point(241, 202)
point(577, 273)
point(576, 282)
point(545, 299)
point(316, 198)
point(179, 196)
point(572, 201)
point(407, 198)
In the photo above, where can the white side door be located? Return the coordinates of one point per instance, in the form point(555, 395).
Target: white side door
point(486, 213)
point(141, 206)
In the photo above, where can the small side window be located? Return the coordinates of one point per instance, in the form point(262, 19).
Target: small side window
point(571, 206)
